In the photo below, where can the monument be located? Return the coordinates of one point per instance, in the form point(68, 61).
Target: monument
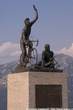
point(36, 84)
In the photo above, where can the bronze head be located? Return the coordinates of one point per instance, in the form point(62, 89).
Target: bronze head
point(47, 47)
point(27, 21)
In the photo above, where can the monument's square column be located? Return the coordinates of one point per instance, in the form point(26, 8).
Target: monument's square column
point(22, 86)
point(18, 91)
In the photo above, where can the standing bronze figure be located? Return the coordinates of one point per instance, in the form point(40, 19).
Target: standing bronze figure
point(24, 41)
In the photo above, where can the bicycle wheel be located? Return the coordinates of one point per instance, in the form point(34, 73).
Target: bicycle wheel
point(34, 57)
point(23, 60)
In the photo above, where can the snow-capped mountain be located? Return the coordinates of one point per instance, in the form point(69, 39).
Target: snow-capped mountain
point(65, 62)
point(8, 67)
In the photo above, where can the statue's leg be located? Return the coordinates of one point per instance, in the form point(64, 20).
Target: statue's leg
point(23, 55)
point(30, 48)
point(22, 46)
point(22, 60)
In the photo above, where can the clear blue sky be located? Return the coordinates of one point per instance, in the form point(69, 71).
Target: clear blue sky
point(55, 24)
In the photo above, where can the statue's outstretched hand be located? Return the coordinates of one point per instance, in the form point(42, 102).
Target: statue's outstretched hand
point(34, 7)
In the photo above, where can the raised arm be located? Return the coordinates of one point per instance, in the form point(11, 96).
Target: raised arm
point(36, 16)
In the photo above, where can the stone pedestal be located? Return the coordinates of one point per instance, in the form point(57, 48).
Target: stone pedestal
point(24, 88)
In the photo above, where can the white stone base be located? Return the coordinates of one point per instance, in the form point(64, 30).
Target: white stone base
point(21, 88)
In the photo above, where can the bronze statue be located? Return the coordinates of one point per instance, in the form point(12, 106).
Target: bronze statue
point(48, 57)
point(24, 41)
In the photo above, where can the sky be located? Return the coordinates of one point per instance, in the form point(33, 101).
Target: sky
point(54, 26)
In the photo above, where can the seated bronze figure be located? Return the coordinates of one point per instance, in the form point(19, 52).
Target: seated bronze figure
point(48, 57)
